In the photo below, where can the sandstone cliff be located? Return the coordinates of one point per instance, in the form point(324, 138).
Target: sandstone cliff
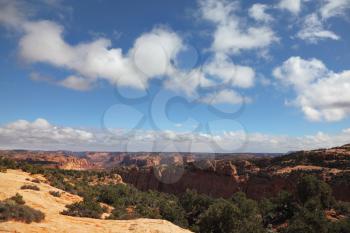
point(219, 176)
point(53, 159)
point(258, 178)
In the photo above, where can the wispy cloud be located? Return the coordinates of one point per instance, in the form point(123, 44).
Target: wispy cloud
point(313, 30)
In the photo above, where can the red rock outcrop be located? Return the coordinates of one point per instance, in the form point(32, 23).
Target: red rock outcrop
point(56, 159)
point(221, 176)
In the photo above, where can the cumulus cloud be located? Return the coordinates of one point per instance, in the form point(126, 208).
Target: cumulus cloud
point(40, 134)
point(189, 82)
point(221, 67)
point(299, 72)
point(43, 42)
point(217, 72)
point(313, 30)
point(231, 34)
point(258, 12)
point(152, 55)
point(322, 94)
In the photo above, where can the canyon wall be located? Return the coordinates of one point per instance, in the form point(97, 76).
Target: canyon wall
point(220, 176)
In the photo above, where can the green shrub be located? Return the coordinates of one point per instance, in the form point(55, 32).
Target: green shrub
point(31, 168)
point(226, 217)
point(310, 187)
point(55, 193)
point(172, 211)
point(10, 210)
point(146, 212)
point(129, 203)
point(343, 208)
point(307, 221)
point(86, 208)
point(342, 226)
point(7, 163)
point(119, 194)
point(194, 204)
point(32, 187)
point(278, 209)
point(18, 199)
point(122, 213)
point(36, 181)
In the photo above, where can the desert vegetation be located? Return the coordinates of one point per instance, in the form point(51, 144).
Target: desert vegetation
point(36, 181)
point(14, 209)
point(55, 193)
point(311, 208)
point(32, 187)
point(18, 199)
point(86, 208)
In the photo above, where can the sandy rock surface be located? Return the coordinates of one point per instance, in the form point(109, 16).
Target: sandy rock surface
point(10, 184)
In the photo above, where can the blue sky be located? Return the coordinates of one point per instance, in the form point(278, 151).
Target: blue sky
point(261, 76)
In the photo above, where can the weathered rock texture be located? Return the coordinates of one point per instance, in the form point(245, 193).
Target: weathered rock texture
point(219, 176)
point(10, 184)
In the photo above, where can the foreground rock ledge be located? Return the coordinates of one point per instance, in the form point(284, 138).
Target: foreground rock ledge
point(10, 184)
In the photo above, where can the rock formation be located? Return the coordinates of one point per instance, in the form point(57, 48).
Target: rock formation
point(220, 176)
point(10, 184)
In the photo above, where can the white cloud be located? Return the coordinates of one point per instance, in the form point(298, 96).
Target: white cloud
point(258, 12)
point(346, 130)
point(283, 143)
point(299, 72)
point(76, 83)
point(153, 52)
point(313, 26)
point(38, 77)
point(10, 15)
point(222, 68)
point(333, 8)
point(218, 71)
point(229, 37)
point(43, 42)
point(313, 30)
point(42, 135)
point(294, 6)
point(72, 81)
point(231, 34)
point(321, 94)
point(151, 56)
point(217, 11)
point(189, 83)
point(224, 97)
